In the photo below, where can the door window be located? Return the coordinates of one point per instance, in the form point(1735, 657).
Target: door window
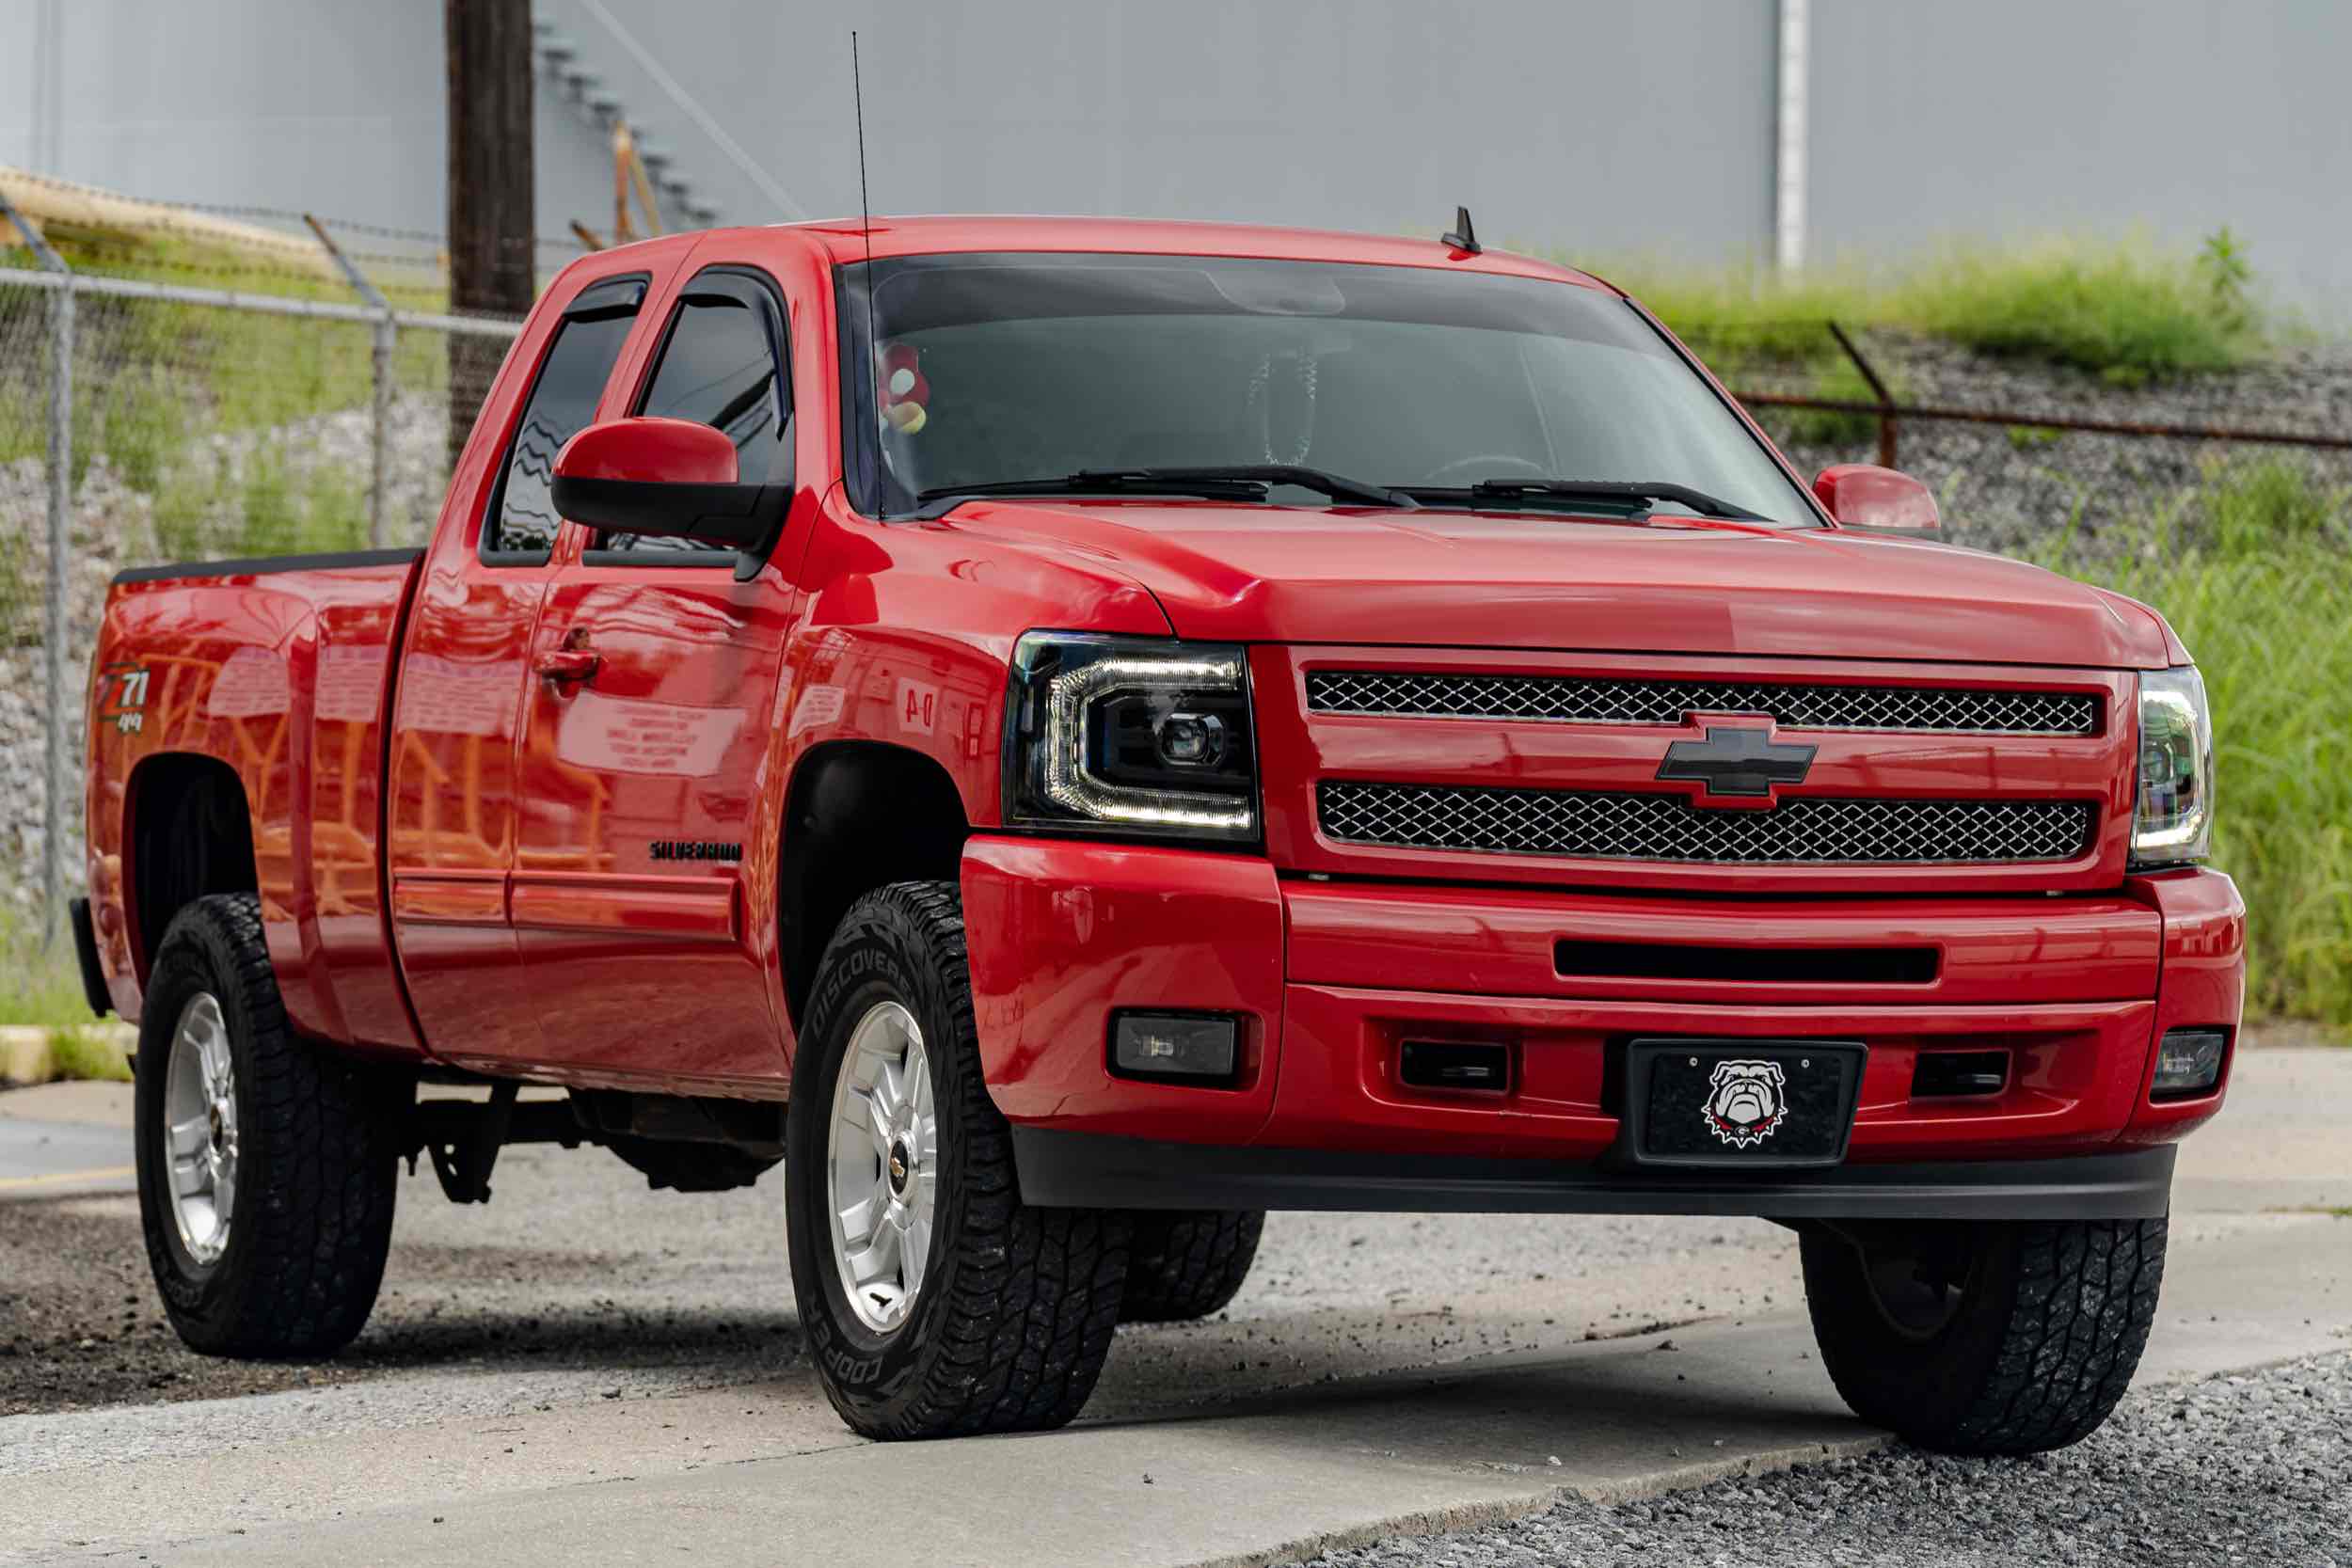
point(723, 364)
point(521, 526)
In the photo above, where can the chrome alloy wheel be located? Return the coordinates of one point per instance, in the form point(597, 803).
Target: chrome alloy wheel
point(881, 1159)
point(200, 1129)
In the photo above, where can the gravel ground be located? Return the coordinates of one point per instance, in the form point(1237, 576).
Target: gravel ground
point(2013, 487)
point(2242, 1469)
point(575, 1281)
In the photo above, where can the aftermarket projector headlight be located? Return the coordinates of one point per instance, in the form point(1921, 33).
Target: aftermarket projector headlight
point(2172, 820)
point(1131, 735)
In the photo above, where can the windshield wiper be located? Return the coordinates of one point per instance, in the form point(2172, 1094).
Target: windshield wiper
point(1337, 486)
point(1244, 483)
point(1608, 492)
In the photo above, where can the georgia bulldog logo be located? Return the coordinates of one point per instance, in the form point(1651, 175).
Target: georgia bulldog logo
point(1746, 1102)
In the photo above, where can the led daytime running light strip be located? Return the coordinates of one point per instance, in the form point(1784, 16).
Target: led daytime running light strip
point(1069, 782)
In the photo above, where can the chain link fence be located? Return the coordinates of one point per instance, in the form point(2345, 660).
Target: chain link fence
point(149, 414)
point(2048, 461)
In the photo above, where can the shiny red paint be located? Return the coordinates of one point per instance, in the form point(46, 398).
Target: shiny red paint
point(649, 451)
point(2204, 985)
point(2072, 990)
point(1501, 941)
point(1064, 934)
point(1456, 579)
point(279, 677)
point(1862, 495)
point(458, 774)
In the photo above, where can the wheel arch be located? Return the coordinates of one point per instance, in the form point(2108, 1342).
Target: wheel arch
point(858, 814)
point(187, 831)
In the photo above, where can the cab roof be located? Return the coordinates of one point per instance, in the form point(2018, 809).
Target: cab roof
point(846, 240)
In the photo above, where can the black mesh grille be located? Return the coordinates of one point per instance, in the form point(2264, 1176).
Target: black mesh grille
point(1591, 825)
point(1584, 699)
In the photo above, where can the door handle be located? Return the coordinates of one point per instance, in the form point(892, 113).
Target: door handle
point(561, 665)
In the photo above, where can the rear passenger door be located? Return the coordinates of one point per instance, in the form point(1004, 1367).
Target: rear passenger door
point(641, 777)
point(455, 777)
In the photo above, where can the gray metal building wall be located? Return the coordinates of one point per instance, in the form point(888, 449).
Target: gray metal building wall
point(1594, 129)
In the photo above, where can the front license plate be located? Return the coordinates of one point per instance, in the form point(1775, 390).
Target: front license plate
point(1740, 1102)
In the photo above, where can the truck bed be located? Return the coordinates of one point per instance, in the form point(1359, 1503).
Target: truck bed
point(276, 671)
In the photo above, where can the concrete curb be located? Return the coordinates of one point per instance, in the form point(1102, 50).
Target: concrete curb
point(25, 1056)
point(1478, 1515)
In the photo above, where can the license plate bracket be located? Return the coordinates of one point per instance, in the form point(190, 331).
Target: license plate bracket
point(1759, 1103)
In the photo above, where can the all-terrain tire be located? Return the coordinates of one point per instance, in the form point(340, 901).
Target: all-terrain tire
point(311, 1216)
point(1014, 1319)
point(1187, 1263)
point(2044, 1324)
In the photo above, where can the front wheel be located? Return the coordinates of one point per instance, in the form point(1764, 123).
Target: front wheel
point(1984, 1337)
point(936, 1303)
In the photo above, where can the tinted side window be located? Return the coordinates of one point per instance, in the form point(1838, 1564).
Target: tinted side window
point(723, 366)
point(571, 379)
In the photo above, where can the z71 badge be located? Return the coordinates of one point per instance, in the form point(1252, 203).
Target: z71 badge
point(122, 697)
point(1746, 1102)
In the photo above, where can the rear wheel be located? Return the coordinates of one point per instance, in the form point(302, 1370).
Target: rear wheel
point(1188, 1263)
point(936, 1303)
point(1989, 1337)
point(267, 1174)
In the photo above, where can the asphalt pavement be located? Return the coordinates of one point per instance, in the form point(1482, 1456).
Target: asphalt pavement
point(586, 1370)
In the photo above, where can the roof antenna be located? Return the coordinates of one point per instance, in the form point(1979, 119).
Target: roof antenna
point(1464, 238)
point(866, 218)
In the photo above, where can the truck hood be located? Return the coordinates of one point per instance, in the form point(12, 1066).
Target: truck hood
point(1441, 578)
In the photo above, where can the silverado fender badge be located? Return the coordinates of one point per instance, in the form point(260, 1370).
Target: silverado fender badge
point(1745, 1101)
point(1737, 759)
point(695, 850)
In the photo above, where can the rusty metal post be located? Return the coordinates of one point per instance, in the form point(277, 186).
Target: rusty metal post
point(61, 477)
point(1878, 390)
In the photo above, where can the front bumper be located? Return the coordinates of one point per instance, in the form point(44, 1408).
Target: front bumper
point(1092, 1171)
point(1331, 978)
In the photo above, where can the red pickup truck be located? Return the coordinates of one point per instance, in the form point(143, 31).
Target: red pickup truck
point(1070, 735)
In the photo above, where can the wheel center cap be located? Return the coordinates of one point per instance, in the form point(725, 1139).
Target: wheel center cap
point(900, 1160)
point(215, 1116)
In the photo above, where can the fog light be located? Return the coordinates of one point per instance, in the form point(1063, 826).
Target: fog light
point(1194, 1048)
point(2188, 1062)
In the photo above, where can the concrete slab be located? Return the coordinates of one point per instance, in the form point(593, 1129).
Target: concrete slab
point(759, 1474)
point(90, 1105)
point(2281, 1140)
point(48, 1158)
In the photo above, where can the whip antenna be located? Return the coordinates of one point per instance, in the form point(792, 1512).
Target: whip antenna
point(865, 221)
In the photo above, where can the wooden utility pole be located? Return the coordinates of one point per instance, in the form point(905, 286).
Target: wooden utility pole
point(491, 222)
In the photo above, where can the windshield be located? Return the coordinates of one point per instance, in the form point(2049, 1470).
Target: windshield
point(1001, 369)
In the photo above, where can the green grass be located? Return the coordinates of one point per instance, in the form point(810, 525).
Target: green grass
point(2253, 568)
point(84, 1052)
point(2129, 313)
point(41, 989)
point(268, 509)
